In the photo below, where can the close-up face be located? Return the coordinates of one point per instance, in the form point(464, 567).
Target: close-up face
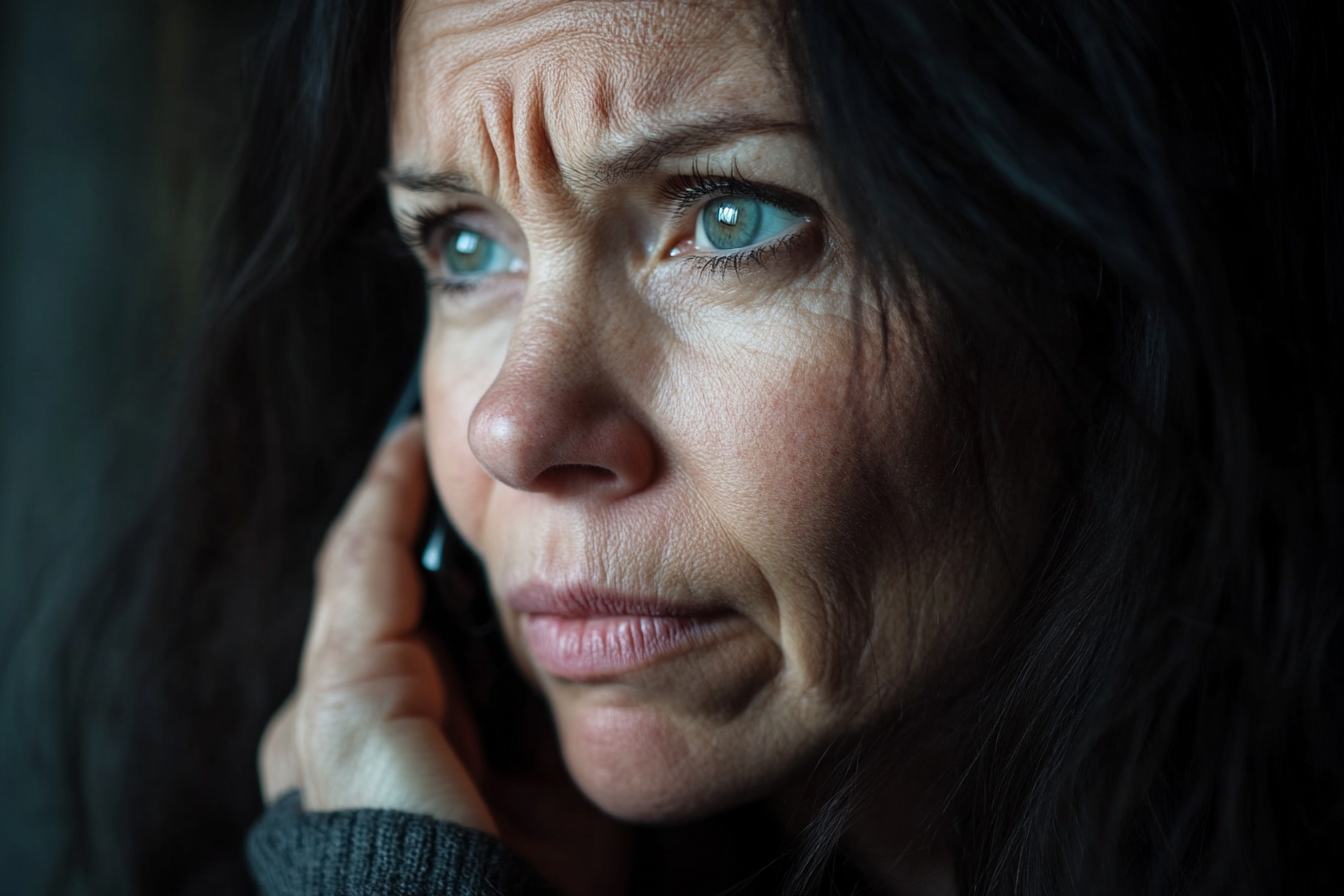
point(720, 517)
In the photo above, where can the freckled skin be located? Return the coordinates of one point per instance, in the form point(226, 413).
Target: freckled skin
point(617, 414)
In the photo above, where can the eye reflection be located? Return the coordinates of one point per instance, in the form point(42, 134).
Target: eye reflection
point(739, 222)
point(469, 254)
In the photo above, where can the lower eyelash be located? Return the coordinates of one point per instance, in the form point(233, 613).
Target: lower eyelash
point(722, 265)
point(445, 284)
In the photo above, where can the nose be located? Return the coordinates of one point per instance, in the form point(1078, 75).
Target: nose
point(552, 422)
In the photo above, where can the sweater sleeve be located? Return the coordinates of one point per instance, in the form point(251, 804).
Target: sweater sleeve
point(378, 852)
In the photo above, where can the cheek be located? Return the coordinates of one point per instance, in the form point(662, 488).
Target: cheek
point(455, 375)
point(769, 448)
point(811, 466)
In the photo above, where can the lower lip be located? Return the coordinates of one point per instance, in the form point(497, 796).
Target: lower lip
point(590, 648)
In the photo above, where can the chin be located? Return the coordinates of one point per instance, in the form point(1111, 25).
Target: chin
point(641, 766)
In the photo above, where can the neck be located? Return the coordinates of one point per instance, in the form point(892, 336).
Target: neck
point(897, 833)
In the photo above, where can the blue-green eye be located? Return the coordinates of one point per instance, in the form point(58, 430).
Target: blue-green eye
point(468, 254)
point(737, 222)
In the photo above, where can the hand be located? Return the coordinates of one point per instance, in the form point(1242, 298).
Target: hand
point(372, 722)
point(377, 722)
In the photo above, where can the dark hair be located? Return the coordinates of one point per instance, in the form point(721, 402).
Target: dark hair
point(1157, 182)
point(1157, 178)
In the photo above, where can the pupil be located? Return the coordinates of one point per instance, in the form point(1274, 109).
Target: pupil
point(469, 254)
point(466, 242)
point(732, 222)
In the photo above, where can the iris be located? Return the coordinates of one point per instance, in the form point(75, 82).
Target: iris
point(471, 254)
point(738, 222)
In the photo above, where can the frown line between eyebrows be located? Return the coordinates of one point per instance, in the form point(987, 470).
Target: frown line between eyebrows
point(645, 154)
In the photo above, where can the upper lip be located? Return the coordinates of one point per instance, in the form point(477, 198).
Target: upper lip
point(585, 600)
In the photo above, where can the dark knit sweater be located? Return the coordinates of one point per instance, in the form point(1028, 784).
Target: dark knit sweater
point(362, 852)
point(376, 852)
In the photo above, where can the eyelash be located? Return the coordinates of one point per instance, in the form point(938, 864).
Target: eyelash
point(418, 229)
point(684, 192)
point(419, 226)
point(722, 265)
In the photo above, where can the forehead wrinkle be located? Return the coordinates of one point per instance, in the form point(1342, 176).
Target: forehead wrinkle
point(643, 154)
point(643, 62)
point(519, 116)
point(535, 150)
point(496, 133)
point(604, 99)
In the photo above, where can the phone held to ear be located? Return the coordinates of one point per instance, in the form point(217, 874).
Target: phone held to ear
point(459, 613)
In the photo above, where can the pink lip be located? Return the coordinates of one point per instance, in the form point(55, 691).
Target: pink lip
point(586, 634)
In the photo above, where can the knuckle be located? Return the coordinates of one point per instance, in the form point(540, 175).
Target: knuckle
point(349, 689)
point(337, 666)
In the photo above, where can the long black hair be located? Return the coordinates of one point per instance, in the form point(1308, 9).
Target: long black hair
point(1162, 181)
point(1142, 200)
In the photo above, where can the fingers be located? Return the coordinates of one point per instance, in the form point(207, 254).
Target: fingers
point(368, 585)
point(459, 724)
point(365, 727)
point(278, 765)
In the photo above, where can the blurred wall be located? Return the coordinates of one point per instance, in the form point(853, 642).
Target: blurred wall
point(118, 119)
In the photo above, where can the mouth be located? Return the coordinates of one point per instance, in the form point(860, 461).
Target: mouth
point(587, 634)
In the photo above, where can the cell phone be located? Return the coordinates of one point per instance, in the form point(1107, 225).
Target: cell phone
point(460, 615)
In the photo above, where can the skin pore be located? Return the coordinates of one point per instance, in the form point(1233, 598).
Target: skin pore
point(720, 511)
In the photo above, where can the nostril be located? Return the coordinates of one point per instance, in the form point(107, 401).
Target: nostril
point(573, 477)
point(586, 469)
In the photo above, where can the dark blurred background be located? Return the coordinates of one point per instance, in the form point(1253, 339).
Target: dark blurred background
point(118, 123)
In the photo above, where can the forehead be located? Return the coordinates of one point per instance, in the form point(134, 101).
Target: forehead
point(481, 83)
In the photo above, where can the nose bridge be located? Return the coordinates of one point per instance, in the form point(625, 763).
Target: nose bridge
point(553, 351)
point(557, 418)
point(581, 319)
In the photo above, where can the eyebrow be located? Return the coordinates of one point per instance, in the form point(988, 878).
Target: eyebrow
point(645, 155)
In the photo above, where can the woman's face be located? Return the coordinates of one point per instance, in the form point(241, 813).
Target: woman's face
point(722, 526)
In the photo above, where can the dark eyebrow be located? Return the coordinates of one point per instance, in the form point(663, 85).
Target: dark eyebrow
point(428, 181)
point(687, 140)
point(645, 155)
